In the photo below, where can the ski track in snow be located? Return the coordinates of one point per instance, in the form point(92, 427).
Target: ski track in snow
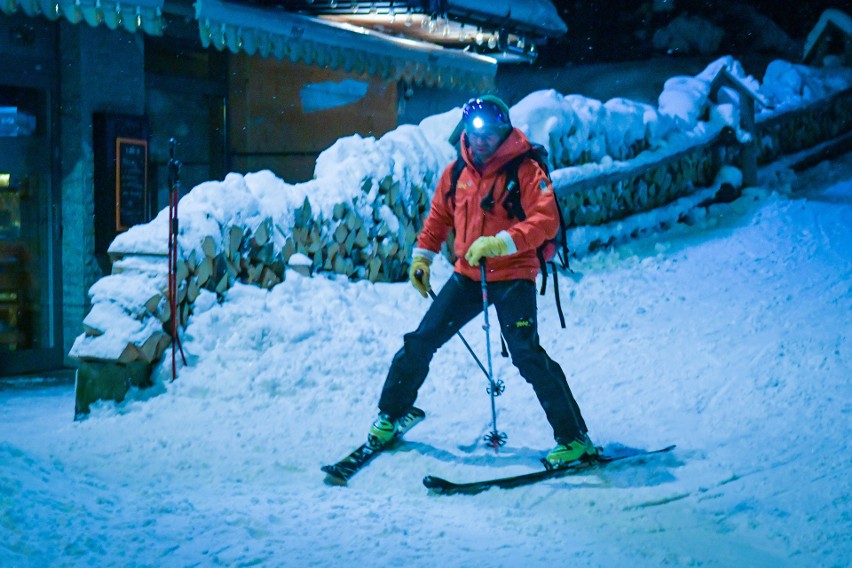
point(728, 338)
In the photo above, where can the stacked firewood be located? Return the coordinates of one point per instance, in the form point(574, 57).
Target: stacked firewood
point(377, 248)
point(372, 242)
point(129, 308)
point(603, 199)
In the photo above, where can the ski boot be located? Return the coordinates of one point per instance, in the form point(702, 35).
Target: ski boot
point(566, 453)
point(382, 431)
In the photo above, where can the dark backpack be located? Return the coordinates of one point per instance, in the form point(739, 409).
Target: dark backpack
point(550, 249)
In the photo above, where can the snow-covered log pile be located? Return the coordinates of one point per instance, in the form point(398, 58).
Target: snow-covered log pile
point(129, 308)
point(358, 217)
point(360, 214)
point(669, 151)
point(824, 110)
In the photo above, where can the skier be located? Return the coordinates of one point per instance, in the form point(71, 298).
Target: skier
point(484, 229)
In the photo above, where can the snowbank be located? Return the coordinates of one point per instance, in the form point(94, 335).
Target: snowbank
point(729, 338)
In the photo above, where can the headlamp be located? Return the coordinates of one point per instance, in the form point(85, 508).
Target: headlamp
point(479, 114)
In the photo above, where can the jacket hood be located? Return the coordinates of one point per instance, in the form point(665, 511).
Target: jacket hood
point(515, 144)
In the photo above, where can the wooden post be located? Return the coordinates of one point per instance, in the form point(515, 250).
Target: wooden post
point(750, 148)
point(747, 121)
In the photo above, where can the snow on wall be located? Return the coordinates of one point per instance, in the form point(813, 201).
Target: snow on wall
point(585, 138)
point(788, 85)
point(575, 129)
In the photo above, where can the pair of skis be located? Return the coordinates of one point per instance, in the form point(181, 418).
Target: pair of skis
point(340, 472)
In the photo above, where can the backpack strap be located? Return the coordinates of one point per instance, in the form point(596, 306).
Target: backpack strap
point(563, 252)
point(512, 200)
point(556, 294)
point(512, 203)
point(455, 174)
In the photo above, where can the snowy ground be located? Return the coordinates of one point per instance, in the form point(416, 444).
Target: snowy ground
point(729, 338)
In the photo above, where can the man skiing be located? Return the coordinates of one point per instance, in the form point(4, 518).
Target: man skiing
point(484, 228)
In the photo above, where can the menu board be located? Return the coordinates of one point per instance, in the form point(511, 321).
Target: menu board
point(131, 182)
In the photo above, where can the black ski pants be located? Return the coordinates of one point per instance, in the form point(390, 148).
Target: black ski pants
point(459, 301)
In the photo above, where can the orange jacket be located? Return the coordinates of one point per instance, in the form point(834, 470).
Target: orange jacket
point(470, 221)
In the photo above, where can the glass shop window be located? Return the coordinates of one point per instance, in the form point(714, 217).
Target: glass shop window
point(24, 206)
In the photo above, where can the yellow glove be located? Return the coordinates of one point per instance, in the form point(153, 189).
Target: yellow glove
point(420, 263)
point(486, 246)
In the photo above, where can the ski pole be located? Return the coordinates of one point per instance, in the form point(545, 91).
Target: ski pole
point(174, 190)
point(419, 275)
point(495, 437)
